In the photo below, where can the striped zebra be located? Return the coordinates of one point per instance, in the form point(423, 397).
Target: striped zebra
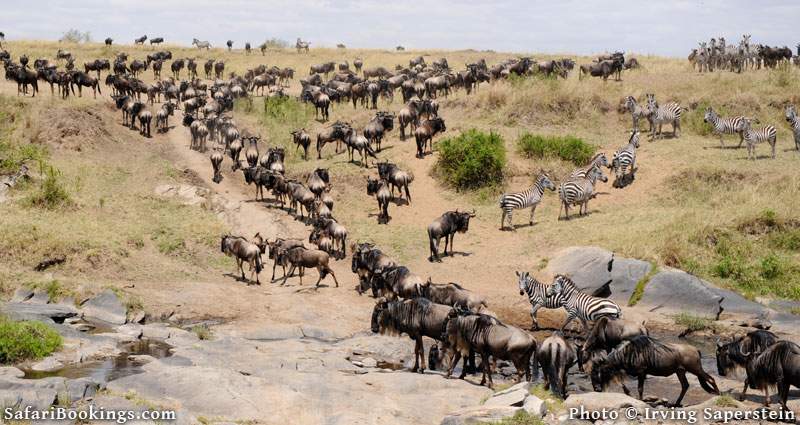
point(637, 112)
point(624, 161)
point(755, 136)
point(598, 160)
point(579, 191)
point(537, 295)
point(524, 199)
point(794, 123)
point(578, 304)
point(659, 115)
point(732, 125)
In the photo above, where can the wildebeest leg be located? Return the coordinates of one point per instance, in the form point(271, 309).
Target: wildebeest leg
point(240, 262)
point(302, 272)
point(684, 386)
point(783, 393)
point(454, 358)
point(434, 248)
point(744, 390)
point(766, 396)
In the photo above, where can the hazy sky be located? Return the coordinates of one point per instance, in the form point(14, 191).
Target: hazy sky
point(669, 27)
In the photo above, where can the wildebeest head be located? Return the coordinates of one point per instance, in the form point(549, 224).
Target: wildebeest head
point(461, 220)
point(322, 173)
point(602, 372)
point(373, 185)
point(734, 354)
point(379, 318)
point(384, 168)
point(359, 250)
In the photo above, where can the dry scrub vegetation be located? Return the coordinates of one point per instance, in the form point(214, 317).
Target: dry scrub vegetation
point(693, 205)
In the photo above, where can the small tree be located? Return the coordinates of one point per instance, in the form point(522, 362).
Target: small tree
point(76, 36)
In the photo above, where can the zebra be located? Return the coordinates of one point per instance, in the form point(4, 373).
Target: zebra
point(637, 112)
point(753, 137)
point(669, 113)
point(201, 44)
point(722, 126)
point(537, 295)
point(579, 191)
point(624, 160)
point(794, 123)
point(524, 199)
point(578, 304)
point(598, 160)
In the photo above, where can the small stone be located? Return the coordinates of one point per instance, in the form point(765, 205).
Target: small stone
point(535, 406)
point(47, 365)
point(369, 362)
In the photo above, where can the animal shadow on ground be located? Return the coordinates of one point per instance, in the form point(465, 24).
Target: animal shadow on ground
point(239, 279)
point(624, 180)
point(399, 201)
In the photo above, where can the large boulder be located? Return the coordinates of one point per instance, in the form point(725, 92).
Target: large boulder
point(105, 307)
point(513, 396)
point(29, 311)
point(674, 291)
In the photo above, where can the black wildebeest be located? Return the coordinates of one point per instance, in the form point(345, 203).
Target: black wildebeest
point(604, 68)
point(140, 40)
point(97, 65)
point(730, 355)
point(176, 66)
point(367, 262)
point(642, 356)
point(379, 188)
point(358, 63)
point(156, 40)
point(302, 139)
point(778, 365)
point(216, 163)
point(382, 123)
point(244, 251)
point(416, 317)
point(109, 41)
point(247, 48)
point(229, 43)
point(397, 178)
point(397, 282)
point(302, 258)
point(555, 356)
point(491, 338)
point(219, 69)
point(454, 295)
point(425, 132)
point(606, 334)
point(446, 227)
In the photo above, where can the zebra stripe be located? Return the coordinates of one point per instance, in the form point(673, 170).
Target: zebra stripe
point(524, 199)
point(794, 123)
point(637, 112)
point(659, 115)
point(598, 160)
point(537, 295)
point(732, 125)
point(624, 159)
point(755, 136)
point(578, 304)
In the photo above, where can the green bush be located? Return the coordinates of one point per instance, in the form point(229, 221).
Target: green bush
point(771, 267)
point(76, 36)
point(472, 160)
point(21, 341)
point(52, 194)
point(567, 148)
point(695, 119)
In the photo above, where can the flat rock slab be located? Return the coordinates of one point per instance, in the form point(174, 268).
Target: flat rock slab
point(26, 310)
point(535, 406)
point(674, 291)
point(607, 400)
point(479, 415)
point(513, 398)
point(105, 307)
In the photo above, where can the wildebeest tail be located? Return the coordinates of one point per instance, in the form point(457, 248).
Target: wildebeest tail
point(553, 374)
point(708, 383)
point(259, 264)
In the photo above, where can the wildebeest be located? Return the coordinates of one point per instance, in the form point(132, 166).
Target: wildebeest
point(604, 68)
point(302, 139)
point(216, 163)
point(555, 356)
point(176, 67)
point(140, 40)
point(219, 68)
point(416, 317)
point(321, 101)
point(380, 189)
point(303, 258)
point(778, 365)
point(243, 250)
point(318, 181)
point(397, 282)
point(229, 43)
point(323, 68)
point(454, 295)
point(606, 334)
point(488, 336)
point(368, 261)
point(279, 245)
point(425, 132)
point(334, 133)
point(301, 45)
point(156, 40)
point(97, 65)
point(380, 124)
point(642, 356)
point(397, 178)
point(358, 63)
point(376, 72)
point(730, 355)
point(337, 231)
point(446, 226)
point(108, 41)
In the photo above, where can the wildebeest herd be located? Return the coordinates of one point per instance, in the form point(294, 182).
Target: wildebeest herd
point(457, 319)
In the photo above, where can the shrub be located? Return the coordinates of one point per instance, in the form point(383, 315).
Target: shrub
point(472, 160)
point(52, 193)
point(567, 148)
point(695, 119)
point(771, 267)
point(76, 36)
point(276, 43)
point(21, 341)
point(203, 332)
point(521, 418)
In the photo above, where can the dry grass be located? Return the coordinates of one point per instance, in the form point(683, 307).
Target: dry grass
point(685, 188)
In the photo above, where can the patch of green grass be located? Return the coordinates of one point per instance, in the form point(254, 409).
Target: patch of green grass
point(55, 290)
point(471, 160)
point(203, 332)
point(726, 400)
point(566, 148)
point(52, 194)
point(694, 120)
point(693, 323)
point(638, 291)
point(554, 404)
point(168, 241)
point(520, 418)
point(25, 340)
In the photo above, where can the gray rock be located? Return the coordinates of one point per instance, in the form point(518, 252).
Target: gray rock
point(479, 415)
point(524, 385)
point(275, 333)
point(39, 297)
point(596, 401)
point(48, 364)
point(136, 317)
point(131, 329)
point(10, 372)
point(735, 303)
point(513, 398)
point(21, 295)
point(369, 362)
point(534, 406)
point(105, 307)
point(20, 311)
point(674, 291)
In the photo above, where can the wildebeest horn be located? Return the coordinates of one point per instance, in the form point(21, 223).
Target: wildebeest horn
point(719, 343)
point(746, 354)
